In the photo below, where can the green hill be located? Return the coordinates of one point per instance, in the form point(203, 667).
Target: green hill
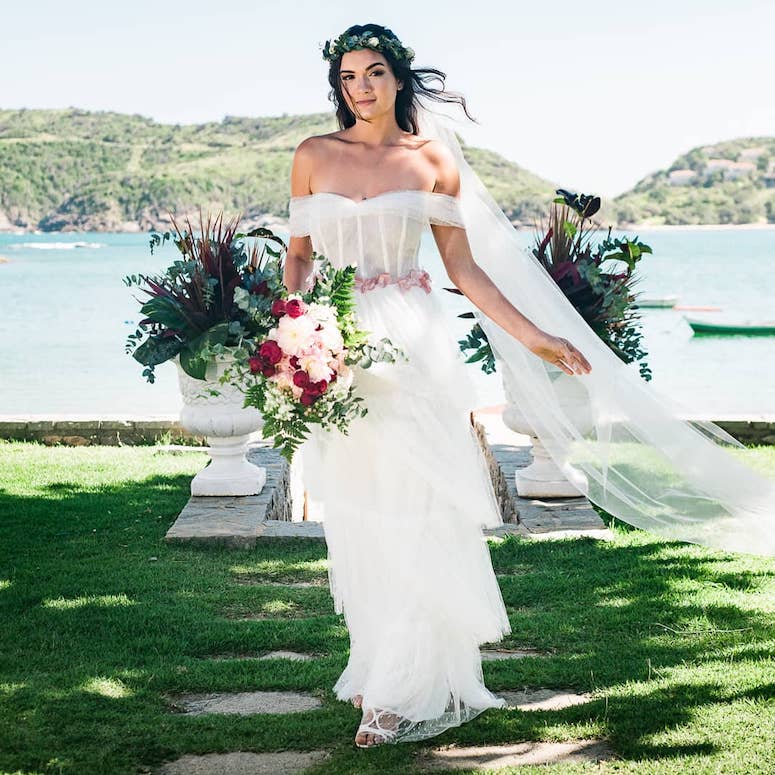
point(79, 170)
point(729, 182)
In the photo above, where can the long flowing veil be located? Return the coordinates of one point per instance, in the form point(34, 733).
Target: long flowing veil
point(630, 448)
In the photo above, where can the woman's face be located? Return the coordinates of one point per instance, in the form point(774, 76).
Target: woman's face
point(368, 83)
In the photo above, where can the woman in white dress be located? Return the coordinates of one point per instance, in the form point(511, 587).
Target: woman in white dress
point(407, 491)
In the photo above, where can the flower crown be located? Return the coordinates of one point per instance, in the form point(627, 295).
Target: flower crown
point(337, 46)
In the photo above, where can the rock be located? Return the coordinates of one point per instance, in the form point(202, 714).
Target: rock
point(244, 763)
point(246, 703)
point(515, 754)
point(543, 699)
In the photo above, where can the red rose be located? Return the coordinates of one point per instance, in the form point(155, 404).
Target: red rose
point(294, 308)
point(270, 351)
point(318, 388)
point(294, 361)
point(268, 370)
point(278, 307)
point(255, 363)
point(307, 398)
point(301, 379)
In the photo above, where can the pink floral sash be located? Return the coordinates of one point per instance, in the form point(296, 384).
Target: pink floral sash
point(418, 277)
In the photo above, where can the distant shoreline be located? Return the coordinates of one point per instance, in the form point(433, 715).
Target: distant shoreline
point(700, 226)
point(282, 224)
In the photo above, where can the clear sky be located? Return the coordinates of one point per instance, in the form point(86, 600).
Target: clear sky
point(592, 96)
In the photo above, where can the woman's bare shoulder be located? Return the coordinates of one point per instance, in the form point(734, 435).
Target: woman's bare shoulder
point(317, 142)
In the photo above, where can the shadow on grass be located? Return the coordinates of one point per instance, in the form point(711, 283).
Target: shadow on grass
point(103, 618)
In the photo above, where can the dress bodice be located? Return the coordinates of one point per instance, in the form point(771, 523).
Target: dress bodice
point(380, 234)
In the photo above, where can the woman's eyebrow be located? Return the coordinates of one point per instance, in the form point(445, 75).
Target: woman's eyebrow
point(373, 64)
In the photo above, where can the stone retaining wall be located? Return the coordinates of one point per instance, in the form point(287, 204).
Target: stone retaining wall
point(126, 431)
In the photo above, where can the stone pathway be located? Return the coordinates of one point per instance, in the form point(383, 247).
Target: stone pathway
point(491, 757)
point(241, 522)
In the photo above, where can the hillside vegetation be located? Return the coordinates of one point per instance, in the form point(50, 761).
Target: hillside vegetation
point(78, 170)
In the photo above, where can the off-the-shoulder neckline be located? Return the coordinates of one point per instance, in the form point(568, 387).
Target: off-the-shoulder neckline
point(376, 196)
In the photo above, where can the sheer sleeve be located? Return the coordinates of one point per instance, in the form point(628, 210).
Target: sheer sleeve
point(445, 210)
point(299, 216)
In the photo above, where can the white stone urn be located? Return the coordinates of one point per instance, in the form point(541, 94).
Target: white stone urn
point(228, 427)
point(543, 478)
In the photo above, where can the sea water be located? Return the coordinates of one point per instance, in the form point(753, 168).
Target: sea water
point(66, 314)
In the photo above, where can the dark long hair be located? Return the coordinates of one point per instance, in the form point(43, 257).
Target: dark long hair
point(415, 83)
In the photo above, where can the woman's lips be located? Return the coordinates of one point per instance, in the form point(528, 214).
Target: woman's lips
point(365, 102)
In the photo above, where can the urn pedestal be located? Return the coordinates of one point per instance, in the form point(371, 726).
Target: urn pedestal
point(543, 478)
point(228, 425)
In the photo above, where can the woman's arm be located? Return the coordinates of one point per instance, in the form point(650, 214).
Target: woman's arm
point(476, 284)
point(298, 259)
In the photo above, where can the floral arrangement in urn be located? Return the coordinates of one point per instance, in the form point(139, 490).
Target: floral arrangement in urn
point(291, 355)
point(604, 298)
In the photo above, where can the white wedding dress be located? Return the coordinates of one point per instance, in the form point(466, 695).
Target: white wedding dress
point(406, 492)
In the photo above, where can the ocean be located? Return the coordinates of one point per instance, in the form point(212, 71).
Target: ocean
point(66, 313)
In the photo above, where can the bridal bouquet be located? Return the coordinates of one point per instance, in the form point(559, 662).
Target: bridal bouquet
point(292, 354)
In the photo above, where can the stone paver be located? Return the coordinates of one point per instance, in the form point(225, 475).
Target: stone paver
point(253, 581)
point(244, 763)
point(246, 703)
point(296, 656)
point(273, 528)
point(239, 520)
point(492, 757)
point(543, 699)
point(491, 655)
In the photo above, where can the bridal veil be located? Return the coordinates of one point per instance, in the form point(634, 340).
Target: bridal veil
point(629, 448)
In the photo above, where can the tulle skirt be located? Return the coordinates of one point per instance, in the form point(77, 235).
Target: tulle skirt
point(403, 497)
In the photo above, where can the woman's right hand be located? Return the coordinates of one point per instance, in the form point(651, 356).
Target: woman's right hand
point(560, 352)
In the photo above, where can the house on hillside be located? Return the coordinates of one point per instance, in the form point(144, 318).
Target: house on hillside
point(681, 177)
point(731, 170)
point(739, 169)
point(752, 154)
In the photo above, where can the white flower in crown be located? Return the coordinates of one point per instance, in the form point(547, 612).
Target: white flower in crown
point(409, 52)
point(373, 41)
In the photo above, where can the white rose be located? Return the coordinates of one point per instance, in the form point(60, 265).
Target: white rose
point(331, 337)
point(373, 41)
point(294, 333)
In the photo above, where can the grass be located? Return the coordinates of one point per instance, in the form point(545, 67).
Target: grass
point(102, 622)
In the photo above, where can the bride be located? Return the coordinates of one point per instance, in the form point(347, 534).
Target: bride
point(406, 492)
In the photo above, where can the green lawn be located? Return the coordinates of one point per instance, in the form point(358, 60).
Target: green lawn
point(101, 619)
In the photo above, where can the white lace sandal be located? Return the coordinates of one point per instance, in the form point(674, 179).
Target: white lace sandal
point(373, 727)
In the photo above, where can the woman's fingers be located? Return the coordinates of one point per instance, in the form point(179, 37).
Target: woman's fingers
point(571, 360)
